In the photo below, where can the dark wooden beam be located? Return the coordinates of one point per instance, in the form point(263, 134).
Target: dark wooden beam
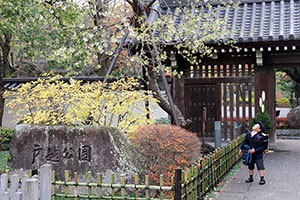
point(191, 81)
point(283, 65)
point(229, 59)
point(281, 58)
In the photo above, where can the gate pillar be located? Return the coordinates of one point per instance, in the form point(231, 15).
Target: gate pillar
point(264, 80)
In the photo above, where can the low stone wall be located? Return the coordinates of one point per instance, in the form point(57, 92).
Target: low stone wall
point(288, 134)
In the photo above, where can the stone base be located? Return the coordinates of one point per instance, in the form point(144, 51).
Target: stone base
point(290, 134)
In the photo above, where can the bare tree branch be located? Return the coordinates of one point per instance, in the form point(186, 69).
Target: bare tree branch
point(150, 4)
point(116, 53)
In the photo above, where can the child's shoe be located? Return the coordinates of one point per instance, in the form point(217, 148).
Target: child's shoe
point(262, 182)
point(249, 180)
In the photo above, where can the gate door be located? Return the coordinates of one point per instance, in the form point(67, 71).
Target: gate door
point(197, 97)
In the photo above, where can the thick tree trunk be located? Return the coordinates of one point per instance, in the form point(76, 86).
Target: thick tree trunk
point(103, 60)
point(163, 102)
point(166, 104)
point(5, 47)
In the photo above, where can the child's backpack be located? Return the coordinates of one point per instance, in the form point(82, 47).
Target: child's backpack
point(266, 139)
point(247, 157)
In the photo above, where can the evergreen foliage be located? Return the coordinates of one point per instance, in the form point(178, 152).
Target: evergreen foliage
point(265, 119)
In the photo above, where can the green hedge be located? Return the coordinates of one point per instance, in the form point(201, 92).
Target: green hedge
point(5, 138)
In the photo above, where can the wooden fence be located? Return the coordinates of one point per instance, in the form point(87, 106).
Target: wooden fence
point(201, 178)
point(193, 183)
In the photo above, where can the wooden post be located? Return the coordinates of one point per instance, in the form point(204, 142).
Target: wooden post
point(45, 182)
point(31, 189)
point(67, 189)
point(136, 182)
point(161, 183)
point(89, 182)
point(203, 130)
point(177, 185)
point(199, 180)
point(76, 185)
point(231, 108)
point(53, 186)
point(123, 186)
point(147, 183)
point(186, 185)
point(112, 182)
point(99, 185)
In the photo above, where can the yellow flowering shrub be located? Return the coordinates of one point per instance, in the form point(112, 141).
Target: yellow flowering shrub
point(55, 102)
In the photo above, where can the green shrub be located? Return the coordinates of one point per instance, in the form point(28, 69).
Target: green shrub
point(265, 119)
point(284, 100)
point(5, 138)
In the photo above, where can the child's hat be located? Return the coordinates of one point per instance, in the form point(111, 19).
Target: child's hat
point(261, 125)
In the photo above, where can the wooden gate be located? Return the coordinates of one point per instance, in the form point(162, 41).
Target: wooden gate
point(227, 92)
point(198, 97)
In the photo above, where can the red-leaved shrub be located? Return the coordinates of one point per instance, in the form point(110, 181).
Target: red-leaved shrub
point(165, 147)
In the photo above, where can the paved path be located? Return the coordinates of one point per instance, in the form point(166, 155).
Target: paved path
point(282, 175)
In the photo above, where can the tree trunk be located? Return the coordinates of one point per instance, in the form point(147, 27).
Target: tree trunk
point(5, 48)
point(163, 102)
point(166, 104)
point(102, 59)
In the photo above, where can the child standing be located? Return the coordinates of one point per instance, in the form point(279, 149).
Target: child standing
point(256, 143)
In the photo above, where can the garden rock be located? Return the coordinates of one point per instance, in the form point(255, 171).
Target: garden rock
point(87, 148)
point(294, 117)
point(207, 148)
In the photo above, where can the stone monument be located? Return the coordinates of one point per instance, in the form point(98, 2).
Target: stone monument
point(86, 148)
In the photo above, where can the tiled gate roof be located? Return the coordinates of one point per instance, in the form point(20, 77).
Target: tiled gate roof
point(252, 21)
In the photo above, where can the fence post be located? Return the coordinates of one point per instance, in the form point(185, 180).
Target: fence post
point(45, 181)
point(17, 196)
point(177, 184)
point(14, 185)
point(218, 134)
point(31, 189)
point(4, 196)
point(4, 183)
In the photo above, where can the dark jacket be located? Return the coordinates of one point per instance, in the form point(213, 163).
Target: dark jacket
point(256, 142)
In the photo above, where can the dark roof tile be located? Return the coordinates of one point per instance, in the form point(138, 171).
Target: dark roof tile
point(254, 21)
